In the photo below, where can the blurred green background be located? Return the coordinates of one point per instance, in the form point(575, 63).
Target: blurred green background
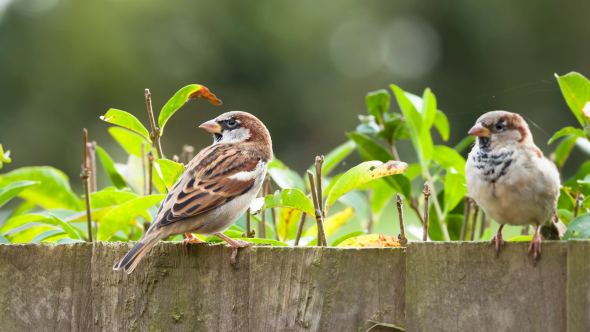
point(303, 67)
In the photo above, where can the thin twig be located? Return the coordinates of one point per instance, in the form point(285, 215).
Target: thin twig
point(145, 171)
point(393, 150)
point(483, 224)
point(248, 224)
point(155, 135)
point(426, 193)
point(92, 166)
point(150, 172)
point(466, 203)
point(577, 206)
point(85, 175)
point(272, 210)
point(402, 236)
point(262, 226)
point(473, 220)
point(319, 161)
point(439, 213)
point(175, 158)
point(318, 212)
point(300, 228)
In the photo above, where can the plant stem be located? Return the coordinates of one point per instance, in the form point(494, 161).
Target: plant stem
point(248, 224)
point(403, 241)
point(483, 224)
point(369, 211)
point(466, 209)
point(92, 166)
point(85, 175)
point(300, 228)
point(319, 161)
point(155, 136)
point(473, 220)
point(416, 207)
point(426, 193)
point(272, 210)
point(262, 226)
point(318, 212)
point(393, 150)
point(577, 206)
point(150, 172)
point(145, 171)
point(439, 213)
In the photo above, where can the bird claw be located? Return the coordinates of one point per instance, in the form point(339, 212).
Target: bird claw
point(498, 240)
point(535, 247)
point(190, 238)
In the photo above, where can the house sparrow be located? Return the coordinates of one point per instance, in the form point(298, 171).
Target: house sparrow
point(216, 188)
point(510, 179)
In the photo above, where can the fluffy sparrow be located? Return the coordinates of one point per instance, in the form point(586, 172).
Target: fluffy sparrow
point(510, 179)
point(216, 188)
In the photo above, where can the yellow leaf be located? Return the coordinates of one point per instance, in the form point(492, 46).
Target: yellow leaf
point(332, 223)
point(371, 241)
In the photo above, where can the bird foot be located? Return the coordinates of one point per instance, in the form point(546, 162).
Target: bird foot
point(190, 238)
point(535, 246)
point(498, 240)
point(235, 244)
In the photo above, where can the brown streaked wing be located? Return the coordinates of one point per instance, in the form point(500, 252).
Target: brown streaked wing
point(209, 185)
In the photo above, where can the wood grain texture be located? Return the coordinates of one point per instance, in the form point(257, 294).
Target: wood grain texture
point(45, 287)
point(578, 286)
point(464, 287)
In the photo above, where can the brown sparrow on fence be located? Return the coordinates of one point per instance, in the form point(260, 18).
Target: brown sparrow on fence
point(216, 188)
point(510, 179)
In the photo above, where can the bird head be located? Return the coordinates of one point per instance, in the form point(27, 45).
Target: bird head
point(500, 128)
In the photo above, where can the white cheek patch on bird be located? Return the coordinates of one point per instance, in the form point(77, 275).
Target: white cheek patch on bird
point(237, 135)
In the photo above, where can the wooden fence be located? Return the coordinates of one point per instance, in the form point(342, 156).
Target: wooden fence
point(432, 286)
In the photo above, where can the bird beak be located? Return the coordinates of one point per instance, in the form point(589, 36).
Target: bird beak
point(479, 131)
point(211, 126)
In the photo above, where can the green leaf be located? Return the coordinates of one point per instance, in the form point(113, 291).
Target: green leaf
point(579, 228)
point(563, 150)
point(442, 125)
point(124, 214)
point(67, 228)
point(455, 189)
point(8, 192)
point(331, 223)
point(576, 91)
point(182, 97)
point(106, 198)
point(413, 171)
point(382, 193)
point(419, 132)
point(4, 156)
point(18, 221)
point(369, 149)
point(286, 178)
point(289, 198)
point(47, 234)
point(447, 158)
point(521, 238)
point(565, 132)
point(170, 171)
point(466, 142)
point(428, 108)
point(125, 120)
point(109, 167)
point(259, 241)
point(53, 191)
point(346, 237)
point(363, 173)
point(565, 216)
point(337, 156)
point(129, 140)
point(288, 222)
point(378, 104)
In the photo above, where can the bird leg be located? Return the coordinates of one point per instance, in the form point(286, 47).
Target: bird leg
point(536, 244)
point(498, 239)
point(235, 245)
point(190, 238)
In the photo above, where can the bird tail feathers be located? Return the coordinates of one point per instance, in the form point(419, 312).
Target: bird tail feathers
point(130, 261)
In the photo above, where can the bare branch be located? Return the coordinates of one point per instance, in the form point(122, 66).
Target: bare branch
point(155, 135)
point(426, 193)
point(321, 241)
point(85, 175)
point(402, 236)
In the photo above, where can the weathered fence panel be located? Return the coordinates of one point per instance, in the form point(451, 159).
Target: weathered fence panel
point(433, 286)
point(462, 286)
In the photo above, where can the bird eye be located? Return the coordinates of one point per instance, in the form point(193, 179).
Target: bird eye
point(499, 126)
point(232, 123)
